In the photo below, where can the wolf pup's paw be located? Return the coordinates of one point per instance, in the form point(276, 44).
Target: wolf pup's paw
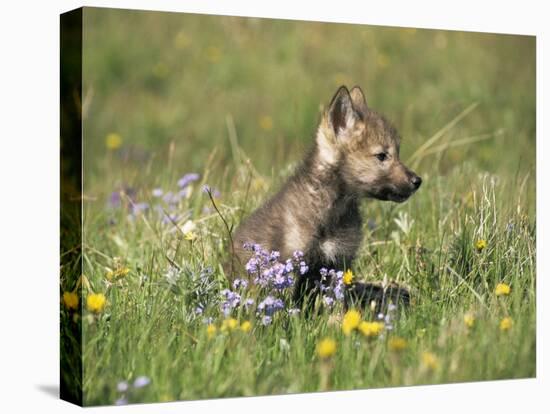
point(376, 297)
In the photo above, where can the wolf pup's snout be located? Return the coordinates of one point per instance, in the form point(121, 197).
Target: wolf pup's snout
point(416, 181)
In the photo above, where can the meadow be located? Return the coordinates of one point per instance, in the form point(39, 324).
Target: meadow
point(190, 122)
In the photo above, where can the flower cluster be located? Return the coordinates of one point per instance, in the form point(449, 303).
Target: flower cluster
point(271, 276)
point(166, 205)
point(352, 321)
point(268, 272)
point(331, 286)
point(128, 390)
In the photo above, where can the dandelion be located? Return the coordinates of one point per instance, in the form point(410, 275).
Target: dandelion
point(326, 348)
point(95, 302)
point(211, 330)
point(113, 141)
point(502, 289)
point(141, 381)
point(506, 324)
point(382, 60)
point(181, 41)
point(430, 361)
point(348, 277)
point(371, 329)
point(246, 326)
point(397, 344)
point(70, 300)
point(469, 320)
point(213, 54)
point(190, 236)
point(351, 321)
point(481, 244)
point(266, 123)
point(229, 324)
point(118, 273)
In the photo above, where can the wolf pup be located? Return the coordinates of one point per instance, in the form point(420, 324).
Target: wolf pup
point(355, 155)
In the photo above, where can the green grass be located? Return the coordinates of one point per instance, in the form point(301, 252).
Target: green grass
point(238, 101)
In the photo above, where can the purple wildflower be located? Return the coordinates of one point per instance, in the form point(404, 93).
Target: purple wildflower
point(157, 192)
point(188, 179)
point(240, 284)
point(270, 305)
point(184, 193)
point(139, 208)
point(121, 401)
point(114, 199)
point(266, 320)
point(171, 198)
point(232, 300)
point(170, 218)
point(122, 386)
point(141, 381)
point(328, 301)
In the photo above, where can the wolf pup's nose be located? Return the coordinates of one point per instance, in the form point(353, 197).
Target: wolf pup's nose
point(416, 181)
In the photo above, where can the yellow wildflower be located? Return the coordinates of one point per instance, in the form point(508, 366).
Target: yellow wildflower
point(190, 235)
point(506, 324)
point(211, 330)
point(266, 123)
point(229, 324)
point(181, 41)
point(351, 321)
point(326, 348)
point(95, 302)
point(246, 326)
point(348, 277)
point(429, 360)
point(370, 329)
point(113, 141)
point(397, 344)
point(70, 300)
point(502, 289)
point(469, 320)
point(382, 60)
point(214, 54)
point(481, 244)
point(118, 273)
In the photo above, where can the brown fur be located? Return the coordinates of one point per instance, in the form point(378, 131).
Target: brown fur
point(317, 209)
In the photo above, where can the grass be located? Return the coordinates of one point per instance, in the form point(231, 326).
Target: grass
point(238, 100)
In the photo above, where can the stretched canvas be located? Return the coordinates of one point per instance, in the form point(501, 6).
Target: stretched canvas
point(255, 206)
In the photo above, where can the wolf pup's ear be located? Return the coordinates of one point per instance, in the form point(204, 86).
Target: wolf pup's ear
point(358, 99)
point(341, 113)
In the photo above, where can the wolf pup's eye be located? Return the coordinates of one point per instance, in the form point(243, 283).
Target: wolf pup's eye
point(382, 156)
